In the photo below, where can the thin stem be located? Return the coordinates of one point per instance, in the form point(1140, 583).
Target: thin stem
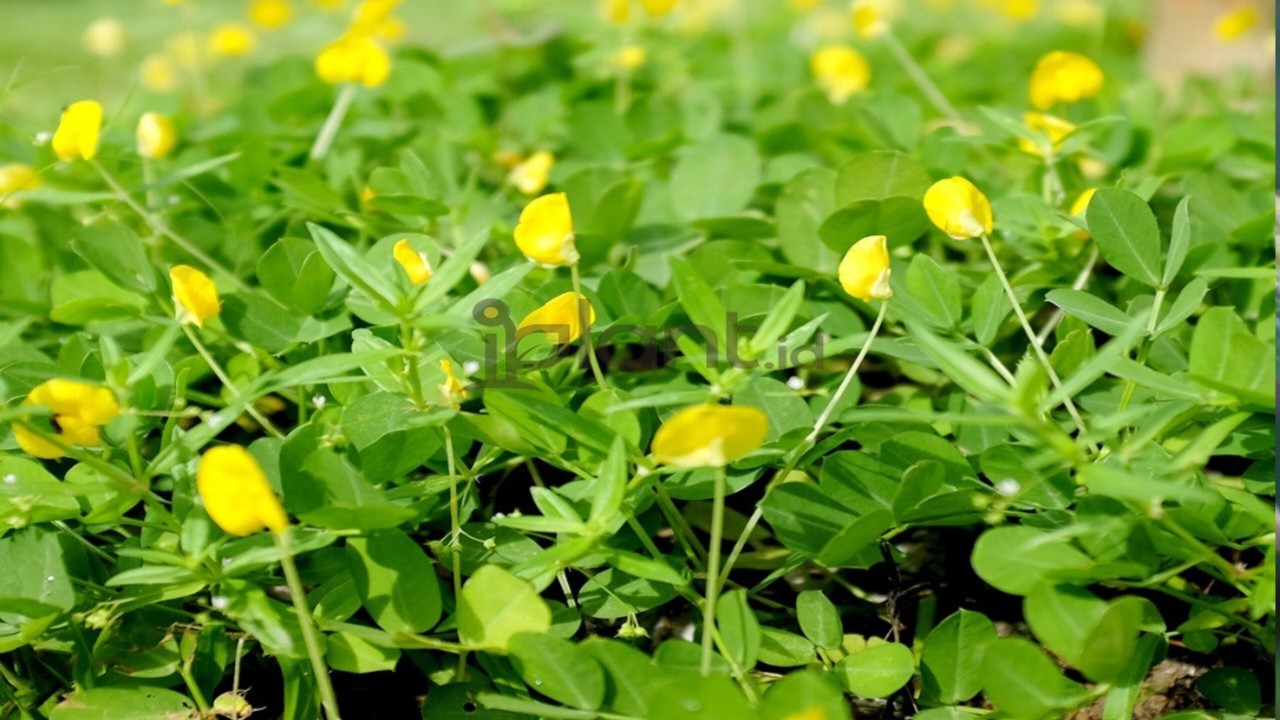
point(921, 78)
point(455, 535)
point(329, 130)
point(1081, 281)
point(185, 671)
point(1031, 335)
point(226, 381)
point(584, 322)
point(848, 377)
point(327, 697)
point(1130, 386)
point(162, 228)
point(713, 570)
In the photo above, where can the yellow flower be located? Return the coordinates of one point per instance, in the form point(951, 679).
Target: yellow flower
point(172, 2)
point(354, 58)
point(710, 435)
point(1082, 202)
point(658, 8)
point(452, 391)
point(480, 272)
point(270, 14)
point(870, 18)
point(803, 5)
point(1064, 77)
point(630, 57)
point(156, 135)
point(185, 48)
point(393, 29)
point(415, 264)
point(864, 271)
point(958, 208)
point(231, 40)
point(236, 493)
point(1081, 13)
point(1020, 9)
point(328, 5)
point(840, 71)
point(78, 410)
point(195, 295)
point(813, 712)
point(1055, 127)
point(369, 14)
point(545, 231)
point(104, 37)
point(530, 176)
point(1233, 25)
point(159, 74)
point(77, 134)
point(559, 319)
point(616, 11)
point(14, 178)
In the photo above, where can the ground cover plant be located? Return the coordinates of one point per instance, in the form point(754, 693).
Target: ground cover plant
point(778, 359)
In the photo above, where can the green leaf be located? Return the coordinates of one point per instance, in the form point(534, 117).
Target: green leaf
point(739, 628)
point(294, 272)
point(699, 302)
point(716, 178)
point(966, 372)
point(1015, 559)
point(951, 662)
point(1092, 309)
point(559, 669)
point(348, 653)
point(123, 703)
point(804, 694)
point(901, 220)
point(117, 252)
point(1234, 689)
point(819, 619)
point(1024, 683)
point(36, 581)
point(778, 321)
point(784, 649)
point(352, 267)
point(1127, 234)
point(396, 581)
point(1184, 306)
point(495, 606)
point(1225, 356)
point(1179, 242)
point(935, 290)
point(807, 200)
point(878, 671)
point(882, 174)
point(690, 697)
point(259, 321)
point(989, 310)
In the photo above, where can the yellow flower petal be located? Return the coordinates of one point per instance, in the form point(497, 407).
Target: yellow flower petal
point(560, 318)
point(195, 294)
point(452, 391)
point(270, 14)
point(958, 208)
point(545, 231)
point(1082, 202)
point(104, 37)
point(530, 177)
point(14, 178)
point(616, 11)
point(415, 264)
point(77, 134)
point(157, 135)
point(1055, 127)
point(864, 271)
point(78, 409)
point(870, 18)
point(231, 40)
point(1233, 25)
point(658, 8)
point(1064, 77)
point(354, 58)
point(840, 71)
point(710, 435)
point(631, 57)
point(236, 493)
point(159, 74)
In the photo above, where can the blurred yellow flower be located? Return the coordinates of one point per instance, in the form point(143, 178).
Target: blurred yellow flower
point(1064, 77)
point(1055, 127)
point(616, 11)
point(270, 14)
point(354, 58)
point(159, 74)
point(172, 2)
point(78, 130)
point(1081, 13)
point(710, 435)
point(804, 5)
point(530, 177)
point(416, 264)
point(630, 57)
point(870, 18)
point(78, 410)
point(14, 178)
point(545, 231)
point(370, 14)
point(104, 37)
point(236, 493)
point(658, 8)
point(156, 135)
point(559, 318)
point(195, 295)
point(393, 29)
point(480, 272)
point(1020, 9)
point(328, 5)
point(1233, 25)
point(185, 48)
point(958, 208)
point(840, 71)
point(452, 391)
point(1082, 202)
point(864, 271)
point(231, 40)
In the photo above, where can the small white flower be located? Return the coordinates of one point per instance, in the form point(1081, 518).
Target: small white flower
point(319, 401)
point(499, 516)
point(1008, 487)
point(219, 602)
point(471, 367)
point(795, 382)
point(43, 137)
point(50, 578)
point(10, 479)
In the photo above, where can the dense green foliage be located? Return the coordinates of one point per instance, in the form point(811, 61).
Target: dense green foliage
point(952, 543)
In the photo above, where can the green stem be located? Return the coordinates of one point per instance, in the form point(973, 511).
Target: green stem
point(327, 697)
point(162, 228)
point(921, 78)
point(1081, 281)
point(329, 130)
point(455, 535)
point(713, 570)
point(1152, 321)
point(584, 322)
point(185, 671)
point(226, 381)
point(1036, 348)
